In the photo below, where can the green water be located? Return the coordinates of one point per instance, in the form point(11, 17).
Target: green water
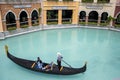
point(100, 48)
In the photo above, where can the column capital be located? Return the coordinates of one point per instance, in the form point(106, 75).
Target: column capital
point(17, 19)
point(3, 20)
point(29, 17)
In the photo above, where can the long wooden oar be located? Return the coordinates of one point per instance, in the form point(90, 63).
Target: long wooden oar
point(67, 63)
point(33, 65)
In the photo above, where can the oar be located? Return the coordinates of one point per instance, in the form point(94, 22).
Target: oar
point(67, 63)
point(6, 48)
point(33, 65)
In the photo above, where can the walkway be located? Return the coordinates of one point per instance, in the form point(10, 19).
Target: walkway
point(21, 31)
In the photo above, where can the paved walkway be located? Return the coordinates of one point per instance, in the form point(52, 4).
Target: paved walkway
point(21, 31)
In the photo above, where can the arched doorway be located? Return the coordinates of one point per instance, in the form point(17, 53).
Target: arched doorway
point(93, 16)
point(82, 16)
point(104, 17)
point(23, 19)
point(34, 18)
point(10, 21)
point(118, 19)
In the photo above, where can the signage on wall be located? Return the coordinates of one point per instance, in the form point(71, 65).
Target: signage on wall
point(59, 7)
point(22, 6)
point(94, 7)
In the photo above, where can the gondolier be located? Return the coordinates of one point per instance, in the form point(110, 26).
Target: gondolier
point(59, 58)
point(39, 63)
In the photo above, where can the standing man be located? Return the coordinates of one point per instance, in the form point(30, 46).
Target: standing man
point(39, 63)
point(59, 58)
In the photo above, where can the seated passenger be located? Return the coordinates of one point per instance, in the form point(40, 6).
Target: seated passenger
point(49, 66)
point(39, 63)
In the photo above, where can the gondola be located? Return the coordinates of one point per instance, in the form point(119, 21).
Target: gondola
point(31, 65)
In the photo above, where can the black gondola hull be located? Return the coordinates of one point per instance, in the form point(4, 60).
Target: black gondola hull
point(28, 63)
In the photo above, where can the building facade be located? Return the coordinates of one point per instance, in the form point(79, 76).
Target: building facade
point(27, 13)
point(18, 14)
point(117, 12)
point(96, 10)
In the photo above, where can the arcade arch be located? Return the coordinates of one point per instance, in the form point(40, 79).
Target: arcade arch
point(118, 19)
point(10, 21)
point(82, 16)
point(23, 19)
point(34, 18)
point(104, 17)
point(93, 16)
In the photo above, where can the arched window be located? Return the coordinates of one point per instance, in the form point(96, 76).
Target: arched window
point(34, 17)
point(23, 19)
point(82, 15)
point(118, 19)
point(93, 16)
point(104, 17)
point(10, 21)
point(23, 16)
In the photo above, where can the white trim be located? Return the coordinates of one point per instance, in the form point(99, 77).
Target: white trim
point(21, 12)
point(117, 14)
point(104, 12)
point(93, 11)
point(32, 12)
point(8, 12)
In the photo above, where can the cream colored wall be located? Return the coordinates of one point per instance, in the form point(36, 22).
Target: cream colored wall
point(48, 5)
point(109, 8)
point(1, 28)
point(118, 1)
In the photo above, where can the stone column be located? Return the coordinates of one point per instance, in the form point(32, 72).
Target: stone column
point(99, 21)
point(17, 23)
point(75, 17)
point(86, 20)
point(29, 22)
point(59, 17)
point(80, 0)
point(111, 23)
point(1, 25)
point(44, 17)
point(4, 25)
point(95, 1)
point(39, 19)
